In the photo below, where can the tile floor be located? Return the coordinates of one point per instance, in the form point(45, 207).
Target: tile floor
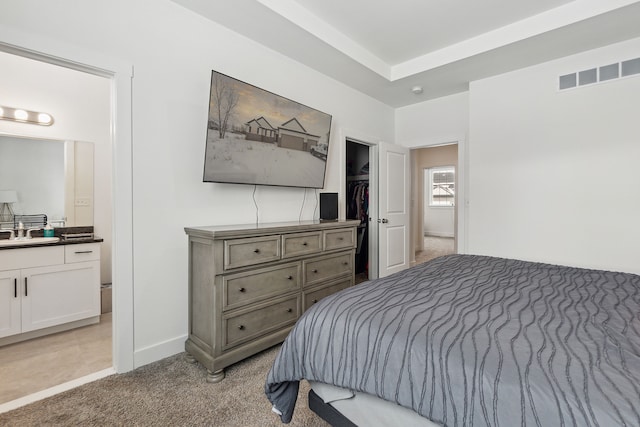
point(40, 363)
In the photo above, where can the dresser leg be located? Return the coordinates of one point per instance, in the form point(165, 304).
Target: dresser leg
point(189, 358)
point(215, 377)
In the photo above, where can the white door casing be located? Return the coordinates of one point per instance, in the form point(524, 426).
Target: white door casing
point(394, 208)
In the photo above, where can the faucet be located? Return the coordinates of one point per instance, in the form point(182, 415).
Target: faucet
point(20, 230)
point(29, 232)
point(12, 236)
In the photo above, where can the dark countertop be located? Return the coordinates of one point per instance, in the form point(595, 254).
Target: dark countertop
point(59, 232)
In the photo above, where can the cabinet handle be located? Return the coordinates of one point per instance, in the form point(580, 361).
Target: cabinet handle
point(304, 244)
point(345, 263)
point(315, 270)
point(290, 278)
point(15, 287)
point(242, 289)
point(26, 289)
point(241, 327)
point(84, 252)
point(315, 301)
point(256, 251)
point(340, 238)
point(289, 310)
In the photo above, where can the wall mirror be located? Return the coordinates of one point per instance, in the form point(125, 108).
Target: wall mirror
point(49, 177)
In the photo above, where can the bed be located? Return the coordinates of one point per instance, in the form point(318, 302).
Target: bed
point(467, 340)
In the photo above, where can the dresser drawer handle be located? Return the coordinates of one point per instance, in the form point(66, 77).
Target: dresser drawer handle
point(315, 270)
point(289, 277)
point(340, 238)
point(84, 252)
point(242, 289)
point(315, 301)
point(305, 244)
point(256, 251)
point(345, 263)
point(241, 327)
point(289, 310)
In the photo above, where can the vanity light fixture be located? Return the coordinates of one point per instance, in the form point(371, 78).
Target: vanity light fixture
point(25, 116)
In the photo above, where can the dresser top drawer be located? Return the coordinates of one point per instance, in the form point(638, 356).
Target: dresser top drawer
point(339, 239)
point(296, 244)
point(251, 251)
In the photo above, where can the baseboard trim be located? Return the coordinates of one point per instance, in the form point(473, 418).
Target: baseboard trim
point(436, 234)
point(155, 352)
point(17, 403)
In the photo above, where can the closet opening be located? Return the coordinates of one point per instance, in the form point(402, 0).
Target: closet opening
point(357, 203)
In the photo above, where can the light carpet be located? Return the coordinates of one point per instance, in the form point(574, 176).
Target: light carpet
point(435, 247)
point(170, 392)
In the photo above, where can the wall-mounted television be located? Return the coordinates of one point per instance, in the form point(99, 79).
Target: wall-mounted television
point(257, 137)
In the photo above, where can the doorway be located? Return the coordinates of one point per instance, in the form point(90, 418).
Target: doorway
point(434, 212)
point(41, 363)
point(357, 203)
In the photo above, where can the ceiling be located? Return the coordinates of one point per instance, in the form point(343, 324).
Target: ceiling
point(384, 48)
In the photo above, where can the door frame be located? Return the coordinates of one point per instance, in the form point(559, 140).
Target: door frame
point(462, 185)
point(121, 75)
point(345, 135)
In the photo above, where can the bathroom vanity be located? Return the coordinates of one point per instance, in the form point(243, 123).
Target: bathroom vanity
point(48, 288)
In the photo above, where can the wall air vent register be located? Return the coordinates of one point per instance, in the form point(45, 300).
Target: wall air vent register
point(599, 74)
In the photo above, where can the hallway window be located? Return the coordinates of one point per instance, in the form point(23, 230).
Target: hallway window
point(442, 187)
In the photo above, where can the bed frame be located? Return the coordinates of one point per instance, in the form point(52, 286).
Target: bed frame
point(328, 412)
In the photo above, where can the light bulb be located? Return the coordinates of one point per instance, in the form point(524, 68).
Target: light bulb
point(44, 118)
point(21, 115)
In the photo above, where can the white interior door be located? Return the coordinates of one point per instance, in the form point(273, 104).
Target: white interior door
point(394, 204)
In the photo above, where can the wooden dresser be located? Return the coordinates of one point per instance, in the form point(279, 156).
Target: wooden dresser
point(248, 284)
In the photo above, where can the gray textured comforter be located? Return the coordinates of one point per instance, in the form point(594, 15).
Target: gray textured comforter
point(471, 341)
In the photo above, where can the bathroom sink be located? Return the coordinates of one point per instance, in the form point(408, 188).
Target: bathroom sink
point(28, 242)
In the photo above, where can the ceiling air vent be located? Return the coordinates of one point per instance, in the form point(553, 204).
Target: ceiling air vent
point(599, 74)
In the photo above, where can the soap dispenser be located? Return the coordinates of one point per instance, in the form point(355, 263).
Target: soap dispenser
point(48, 230)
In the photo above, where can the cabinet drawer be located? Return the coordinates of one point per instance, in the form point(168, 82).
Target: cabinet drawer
point(252, 286)
point(81, 253)
point(312, 297)
point(339, 239)
point(12, 259)
point(254, 323)
point(243, 252)
point(321, 269)
point(301, 244)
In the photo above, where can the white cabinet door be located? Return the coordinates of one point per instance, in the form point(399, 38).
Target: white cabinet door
point(10, 297)
point(60, 294)
point(394, 204)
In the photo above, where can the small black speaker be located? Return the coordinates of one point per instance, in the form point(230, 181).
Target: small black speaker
point(328, 206)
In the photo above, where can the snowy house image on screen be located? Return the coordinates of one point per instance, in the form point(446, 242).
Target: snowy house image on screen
point(257, 137)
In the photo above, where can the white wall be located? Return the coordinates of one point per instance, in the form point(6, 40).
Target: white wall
point(80, 105)
point(438, 121)
point(554, 175)
point(173, 52)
